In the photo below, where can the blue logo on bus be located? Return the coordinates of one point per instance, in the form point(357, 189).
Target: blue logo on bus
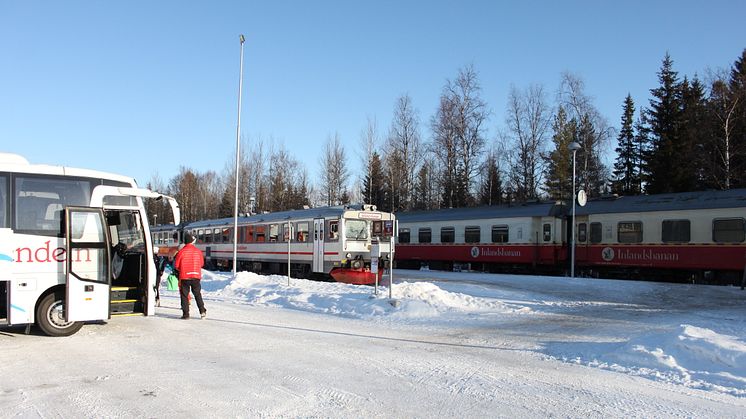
point(5, 258)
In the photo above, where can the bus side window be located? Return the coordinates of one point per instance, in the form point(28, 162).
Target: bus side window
point(4, 203)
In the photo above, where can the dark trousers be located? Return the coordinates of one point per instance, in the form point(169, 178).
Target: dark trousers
point(184, 286)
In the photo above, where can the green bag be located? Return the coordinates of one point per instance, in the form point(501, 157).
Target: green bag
point(172, 282)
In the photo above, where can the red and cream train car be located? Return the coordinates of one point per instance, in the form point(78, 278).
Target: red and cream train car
point(696, 236)
point(497, 238)
point(693, 236)
point(326, 242)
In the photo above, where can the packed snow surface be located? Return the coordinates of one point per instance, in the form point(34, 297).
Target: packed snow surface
point(447, 344)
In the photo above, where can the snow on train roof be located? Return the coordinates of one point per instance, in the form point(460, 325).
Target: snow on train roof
point(277, 216)
point(497, 211)
point(733, 198)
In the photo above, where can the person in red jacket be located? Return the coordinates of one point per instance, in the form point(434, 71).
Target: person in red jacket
point(189, 262)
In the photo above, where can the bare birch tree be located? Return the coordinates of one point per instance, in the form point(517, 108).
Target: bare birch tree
point(368, 141)
point(594, 136)
point(334, 172)
point(528, 120)
point(445, 146)
point(458, 135)
point(405, 152)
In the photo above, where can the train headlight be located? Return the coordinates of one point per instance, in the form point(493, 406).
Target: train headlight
point(357, 264)
point(348, 255)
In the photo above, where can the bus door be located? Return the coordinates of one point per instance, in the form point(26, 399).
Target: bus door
point(88, 270)
point(318, 245)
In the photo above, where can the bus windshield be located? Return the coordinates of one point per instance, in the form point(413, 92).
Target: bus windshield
point(356, 230)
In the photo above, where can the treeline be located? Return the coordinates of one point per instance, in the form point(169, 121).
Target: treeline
point(691, 136)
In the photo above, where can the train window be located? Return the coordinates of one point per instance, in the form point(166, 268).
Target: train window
point(447, 235)
point(547, 232)
point(285, 229)
point(356, 230)
point(208, 236)
point(274, 232)
point(629, 232)
point(301, 232)
point(333, 229)
point(201, 236)
point(404, 235)
point(500, 234)
point(226, 235)
point(250, 230)
point(582, 232)
point(425, 235)
point(260, 233)
point(728, 230)
point(676, 231)
point(472, 234)
point(596, 233)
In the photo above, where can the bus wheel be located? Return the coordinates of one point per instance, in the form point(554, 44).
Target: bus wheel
point(50, 316)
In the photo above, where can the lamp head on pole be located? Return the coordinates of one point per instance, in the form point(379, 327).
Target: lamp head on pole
point(574, 146)
point(241, 38)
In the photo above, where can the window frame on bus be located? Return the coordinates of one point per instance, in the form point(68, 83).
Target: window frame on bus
point(4, 200)
point(53, 227)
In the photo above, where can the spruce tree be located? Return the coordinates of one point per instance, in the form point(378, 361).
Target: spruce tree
point(590, 172)
point(626, 169)
point(694, 136)
point(664, 117)
point(737, 95)
point(558, 176)
point(642, 152)
point(373, 184)
point(491, 190)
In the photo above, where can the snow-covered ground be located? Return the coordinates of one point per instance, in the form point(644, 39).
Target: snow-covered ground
point(455, 344)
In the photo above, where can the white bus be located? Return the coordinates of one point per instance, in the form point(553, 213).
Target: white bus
point(75, 246)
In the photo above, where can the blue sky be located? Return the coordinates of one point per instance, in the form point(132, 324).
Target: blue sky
point(144, 87)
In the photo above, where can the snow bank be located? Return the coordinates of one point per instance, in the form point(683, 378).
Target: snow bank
point(697, 354)
point(693, 356)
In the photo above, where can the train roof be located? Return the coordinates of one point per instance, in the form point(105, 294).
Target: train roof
point(539, 209)
point(309, 213)
point(733, 198)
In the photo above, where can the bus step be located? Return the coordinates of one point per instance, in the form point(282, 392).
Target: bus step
point(126, 306)
point(126, 314)
point(124, 293)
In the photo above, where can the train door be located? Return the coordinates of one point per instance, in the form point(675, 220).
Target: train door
point(318, 245)
point(87, 258)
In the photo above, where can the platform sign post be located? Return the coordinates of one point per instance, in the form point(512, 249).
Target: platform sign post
point(391, 273)
point(375, 253)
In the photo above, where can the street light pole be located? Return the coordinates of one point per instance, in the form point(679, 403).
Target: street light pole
point(238, 157)
point(574, 147)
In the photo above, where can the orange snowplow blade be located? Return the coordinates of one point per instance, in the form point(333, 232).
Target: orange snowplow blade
point(350, 276)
